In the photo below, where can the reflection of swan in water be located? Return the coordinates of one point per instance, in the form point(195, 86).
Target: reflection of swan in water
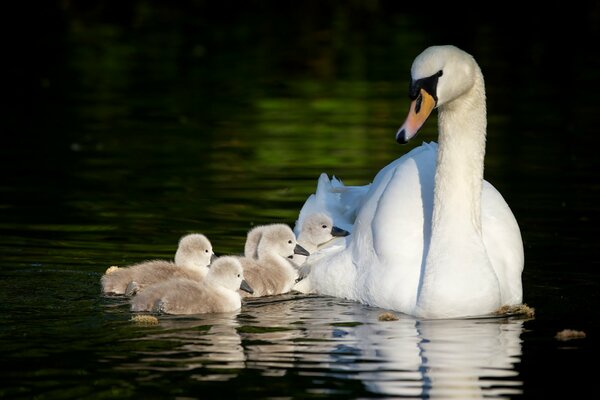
point(323, 340)
point(460, 358)
point(454, 358)
point(323, 337)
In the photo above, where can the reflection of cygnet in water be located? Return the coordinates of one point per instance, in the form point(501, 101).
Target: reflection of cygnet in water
point(271, 272)
point(316, 230)
point(207, 344)
point(217, 292)
point(192, 258)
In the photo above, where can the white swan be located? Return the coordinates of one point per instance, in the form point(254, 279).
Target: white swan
point(430, 237)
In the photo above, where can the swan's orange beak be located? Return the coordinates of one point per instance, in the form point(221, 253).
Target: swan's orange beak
point(420, 109)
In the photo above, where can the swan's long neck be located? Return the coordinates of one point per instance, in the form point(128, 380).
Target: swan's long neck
point(459, 172)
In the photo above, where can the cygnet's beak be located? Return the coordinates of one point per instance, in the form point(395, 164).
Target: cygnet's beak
point(420, 109)
point(301, 250)
point(245, 287)
point(335, 231)
point(213, 258)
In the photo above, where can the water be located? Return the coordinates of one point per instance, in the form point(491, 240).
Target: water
point(131, 126)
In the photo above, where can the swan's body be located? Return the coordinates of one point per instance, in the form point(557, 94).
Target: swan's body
point(192, 258)
point(217, 292)
point(272, 272)
point(431, 238)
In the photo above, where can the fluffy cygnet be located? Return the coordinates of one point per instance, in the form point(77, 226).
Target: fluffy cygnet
point(316, 230)
point(271, 272)
point(192, 258)
point(217, 292)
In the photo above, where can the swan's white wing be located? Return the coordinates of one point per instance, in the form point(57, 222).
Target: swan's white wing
point(502, 239)
point(396, 220)
point(381, 260)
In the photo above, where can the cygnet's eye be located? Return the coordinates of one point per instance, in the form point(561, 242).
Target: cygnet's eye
point(206, 251)
point(238, 275)
point(289, 241)
point(324, 226)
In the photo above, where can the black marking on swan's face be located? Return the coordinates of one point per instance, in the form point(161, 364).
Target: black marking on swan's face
point(429, 84)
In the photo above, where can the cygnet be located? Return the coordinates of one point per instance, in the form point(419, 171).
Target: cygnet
point(192, 259)
point(316, 230)
point(252, 239)
point(217, 292)
point(271, 272)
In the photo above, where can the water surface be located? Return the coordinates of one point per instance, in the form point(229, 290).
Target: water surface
point(130, 126)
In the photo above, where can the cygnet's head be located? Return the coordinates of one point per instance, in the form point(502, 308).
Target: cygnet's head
point(194, 251)
point(439, 75)
point(318, 228)
point(279, 239)
point(227, 271)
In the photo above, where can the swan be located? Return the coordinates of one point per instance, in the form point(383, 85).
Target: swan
point(194, 254)
point(429, 236)
point(272, 272)
point(217, 292)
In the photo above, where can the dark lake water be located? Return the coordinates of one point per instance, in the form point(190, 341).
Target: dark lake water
point(131, 124)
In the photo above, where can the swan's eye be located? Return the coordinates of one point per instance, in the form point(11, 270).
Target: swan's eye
point(238, 275)
point(206, 251)
point(428, 84)
point(324, 226)
point(289, 241)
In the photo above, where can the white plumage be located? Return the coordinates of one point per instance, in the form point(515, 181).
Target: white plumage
point(429, 237)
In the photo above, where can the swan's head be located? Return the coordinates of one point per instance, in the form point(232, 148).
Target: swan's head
point(439, 75)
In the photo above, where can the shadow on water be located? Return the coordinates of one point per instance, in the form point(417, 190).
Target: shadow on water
point(132, 123)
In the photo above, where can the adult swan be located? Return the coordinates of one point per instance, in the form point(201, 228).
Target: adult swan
point(429, 237)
